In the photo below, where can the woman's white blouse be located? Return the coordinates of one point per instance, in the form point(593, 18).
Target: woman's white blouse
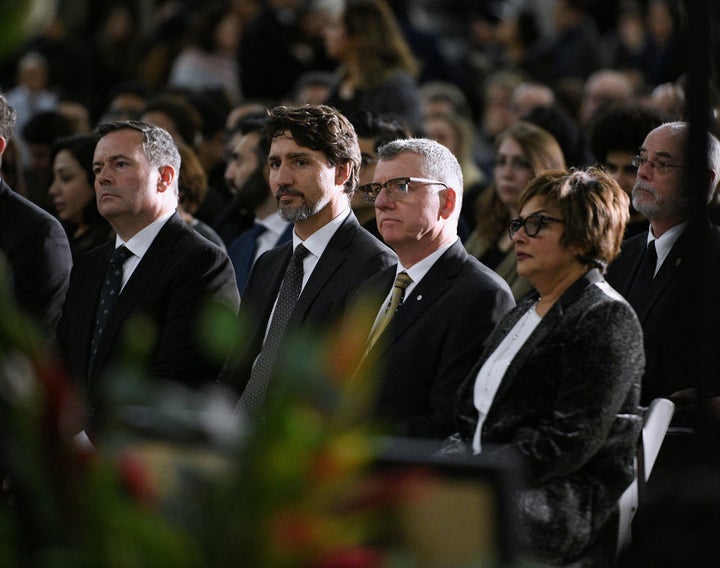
point(493, 370)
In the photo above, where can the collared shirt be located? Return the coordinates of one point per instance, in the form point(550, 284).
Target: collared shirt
point(139, 244)
point(417, 272)
point(317, 243)
point(496, 365)
point(275, 226)
point(665, 243)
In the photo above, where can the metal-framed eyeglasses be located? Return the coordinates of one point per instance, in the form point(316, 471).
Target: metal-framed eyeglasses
point(396, 188)
point(532, 224)
point(660, 166)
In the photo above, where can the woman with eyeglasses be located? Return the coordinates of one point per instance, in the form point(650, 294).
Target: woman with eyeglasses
point(522, 151)
point(559, 381)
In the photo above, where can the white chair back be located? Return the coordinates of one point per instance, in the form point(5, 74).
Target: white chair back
point(656, 421)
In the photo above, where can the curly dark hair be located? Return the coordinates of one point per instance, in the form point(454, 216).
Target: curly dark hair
point(320, 128)
point(622, 127)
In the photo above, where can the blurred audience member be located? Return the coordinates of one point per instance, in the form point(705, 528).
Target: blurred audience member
point(73, 194)
point(527, 96)
point(192, 189)
point(377, 69)
point(39, 134)
point(373, 130)
point(602, 88)
point(522, 152)
point(126, 101)
point(567, 132)
point(457, 135)
point(247, 175)
point(210, 59)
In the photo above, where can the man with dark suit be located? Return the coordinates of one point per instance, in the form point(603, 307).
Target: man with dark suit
point(451, 303)
point(314, 159)
point(677, 303)
point(168, 275)
point(34, 245)
point(246, 175)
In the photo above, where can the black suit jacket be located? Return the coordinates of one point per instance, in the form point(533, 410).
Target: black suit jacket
point(179, 273)
point(680, 313)
point(568, 406)
point(351, 256)
point(37, 250)
point(432, 342)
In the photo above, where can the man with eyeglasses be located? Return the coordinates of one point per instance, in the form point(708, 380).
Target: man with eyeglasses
point(158, 275)
point(437, 305)
point(616, 132)
point(670, 274)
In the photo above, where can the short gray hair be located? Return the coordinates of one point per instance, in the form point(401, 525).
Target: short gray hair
point(439, 163)
point(158, 145)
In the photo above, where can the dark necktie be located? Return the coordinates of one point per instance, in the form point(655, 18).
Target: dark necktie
point(108, 297)
point(253, 396)
point(402, 281)
point(644, 277)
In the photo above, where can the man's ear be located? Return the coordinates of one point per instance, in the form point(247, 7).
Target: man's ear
point(3, 145)
point(447, 205)
point(167, 175)
point(342, 173)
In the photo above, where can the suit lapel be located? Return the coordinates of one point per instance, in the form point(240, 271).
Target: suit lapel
point(332, 258)
point(152, 263)
point(432, 287)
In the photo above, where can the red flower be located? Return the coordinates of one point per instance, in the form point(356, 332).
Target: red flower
point(351, 557)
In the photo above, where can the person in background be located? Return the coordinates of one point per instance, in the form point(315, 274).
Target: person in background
point(313, 162)
point(670, 274)
point(450, 301)
point(39, 134)
point(192, 188)
point(522, 152)
point(377, 69)
point(34, 245)
point(247, 175)
point(158, 271)
point(458, 135)
point(73, 195)
point(615, 134)
point(558, 384)
point(373, 130)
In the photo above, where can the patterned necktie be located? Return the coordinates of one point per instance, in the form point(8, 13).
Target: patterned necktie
point(108, 297)
point(644, 277)
point(253, 396)
point(398, 294)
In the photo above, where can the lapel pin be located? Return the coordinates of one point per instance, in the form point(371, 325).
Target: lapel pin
point(678, 261)
point(419, 297)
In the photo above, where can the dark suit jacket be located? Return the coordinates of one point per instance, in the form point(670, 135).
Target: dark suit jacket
point(432, 342)
point(352, 255)
point(37, 250)
point(680, 314)
point(242, 252)
point(568, 405)
point(179, 273)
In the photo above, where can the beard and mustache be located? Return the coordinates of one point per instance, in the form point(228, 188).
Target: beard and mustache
point(296, 213)
point(647, 201)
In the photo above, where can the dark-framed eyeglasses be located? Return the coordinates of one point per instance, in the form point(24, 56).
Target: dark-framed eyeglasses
point(660, 166)
point(532, 224)
point(396, 188)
